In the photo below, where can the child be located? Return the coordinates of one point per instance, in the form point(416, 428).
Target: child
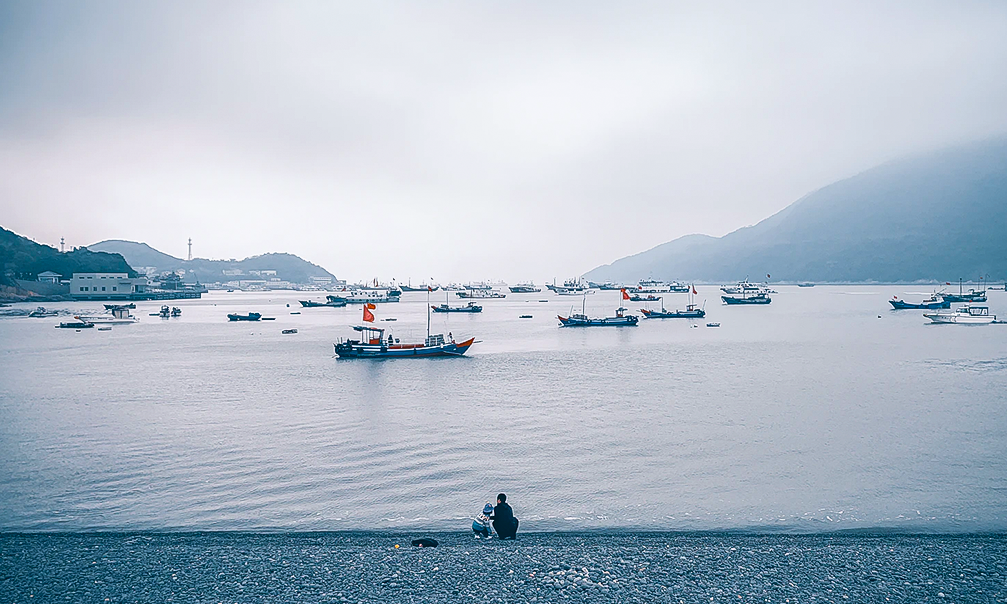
point(481, 525)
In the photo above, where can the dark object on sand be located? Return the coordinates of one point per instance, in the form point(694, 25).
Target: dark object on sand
point(425, 542)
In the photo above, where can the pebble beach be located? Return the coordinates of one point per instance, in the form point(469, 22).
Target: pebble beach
point(538, 567)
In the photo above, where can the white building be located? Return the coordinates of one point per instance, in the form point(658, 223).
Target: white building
point(49, 277)
point(105, 286)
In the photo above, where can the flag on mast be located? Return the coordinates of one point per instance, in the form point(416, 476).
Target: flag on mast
point(368, 315)
point(694, 292)
point(625, 296)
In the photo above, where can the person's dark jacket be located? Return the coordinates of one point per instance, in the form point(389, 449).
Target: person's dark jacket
point(503, 514)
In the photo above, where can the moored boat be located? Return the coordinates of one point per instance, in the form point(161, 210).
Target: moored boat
point(582, 320)
point(470, 307)
point(480, 294)
point(119, 316)
point(967, 314)
point(524, 288)
point(252, 316)
point(362, 296)
point(934, 302)
point(42, 312)
point(759, 298)
point(78, 324)
point(373, 344)
point(330, 301)
point(692, 311)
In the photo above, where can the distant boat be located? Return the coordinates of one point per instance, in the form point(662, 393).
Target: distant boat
point(805, 285)
point(78, 324)
point(524, 288)
point(131, 306)
point(745, 288)
point(934, 302)
point(714, 324)
point(288, 331)
point(470, 307)
point(571, 287)
point(759, 298)
point(252, 316)
point(42, 312)
point(118, 316)
point(331, 301)
point(365, 297)
point(480, 294)
point(647, 298)
point(525, 317)
point(692, 311)
point(965, 314)
point(582, 320)
point(422, 288)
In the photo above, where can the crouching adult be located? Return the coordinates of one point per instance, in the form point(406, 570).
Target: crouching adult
point(504, 522)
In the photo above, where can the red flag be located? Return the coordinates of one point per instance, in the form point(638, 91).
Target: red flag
point(430, 289)
point(368, 315)
point(947, 283)
point(625, 296)
point(694, 292)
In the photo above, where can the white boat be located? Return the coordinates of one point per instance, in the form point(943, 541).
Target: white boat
point(746, 287)
point(968, 314)
point(363, 296)
point(119, 316)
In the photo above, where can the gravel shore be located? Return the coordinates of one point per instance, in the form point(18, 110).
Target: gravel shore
point(543, 567)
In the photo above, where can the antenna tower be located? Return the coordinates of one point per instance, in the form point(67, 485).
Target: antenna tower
point(61, 241)
point(190, 249)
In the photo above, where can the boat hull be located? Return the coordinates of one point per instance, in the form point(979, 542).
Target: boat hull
point(468, 309)
point(675, 314)
point(353, 350)
point(901, 305)
point(249, 317)
point(628, 321)
point(754, 300)
point(947, 319)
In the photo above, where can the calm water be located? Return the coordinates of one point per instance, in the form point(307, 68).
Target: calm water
point(810, 414)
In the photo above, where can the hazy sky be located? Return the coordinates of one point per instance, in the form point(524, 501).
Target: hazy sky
point(467, 140)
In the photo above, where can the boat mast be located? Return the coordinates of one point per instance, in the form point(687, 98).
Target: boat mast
point(428, 313)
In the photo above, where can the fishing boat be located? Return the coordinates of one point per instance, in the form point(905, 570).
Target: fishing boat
point(713, 324)
point(373, 344)
point(692, 311)
point(78, 324)
point(934, 302)
point(363, 296)
point(131, 306)
point(759, 298)
point(480, 294)
point(330, 301)
point(745, 288)
point(470, 307)
point(289, 331)
point(582, 320)
point(252, 316)
point(524, 288)
point(966, 314)
point(973, 295)
point(571, 287)
point(639, 298)
point(805, 285)
point(408, 287)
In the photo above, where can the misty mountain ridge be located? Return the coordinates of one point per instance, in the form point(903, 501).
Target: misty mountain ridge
point(288, 267)
point(930, 217)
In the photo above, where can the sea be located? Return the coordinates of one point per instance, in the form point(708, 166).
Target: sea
point(823, 411)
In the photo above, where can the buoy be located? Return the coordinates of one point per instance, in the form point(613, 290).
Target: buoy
point(396, 546)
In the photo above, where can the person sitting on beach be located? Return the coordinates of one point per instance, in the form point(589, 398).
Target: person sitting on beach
point(481, 524)
point(504, 521)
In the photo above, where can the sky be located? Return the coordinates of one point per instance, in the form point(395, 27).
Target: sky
point(467, 140)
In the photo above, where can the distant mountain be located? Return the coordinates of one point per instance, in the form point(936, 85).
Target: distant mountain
point(22, 258)
point(288, 267)
point(933, 217)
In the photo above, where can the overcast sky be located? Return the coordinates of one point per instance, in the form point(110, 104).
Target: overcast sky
point(467, 140)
